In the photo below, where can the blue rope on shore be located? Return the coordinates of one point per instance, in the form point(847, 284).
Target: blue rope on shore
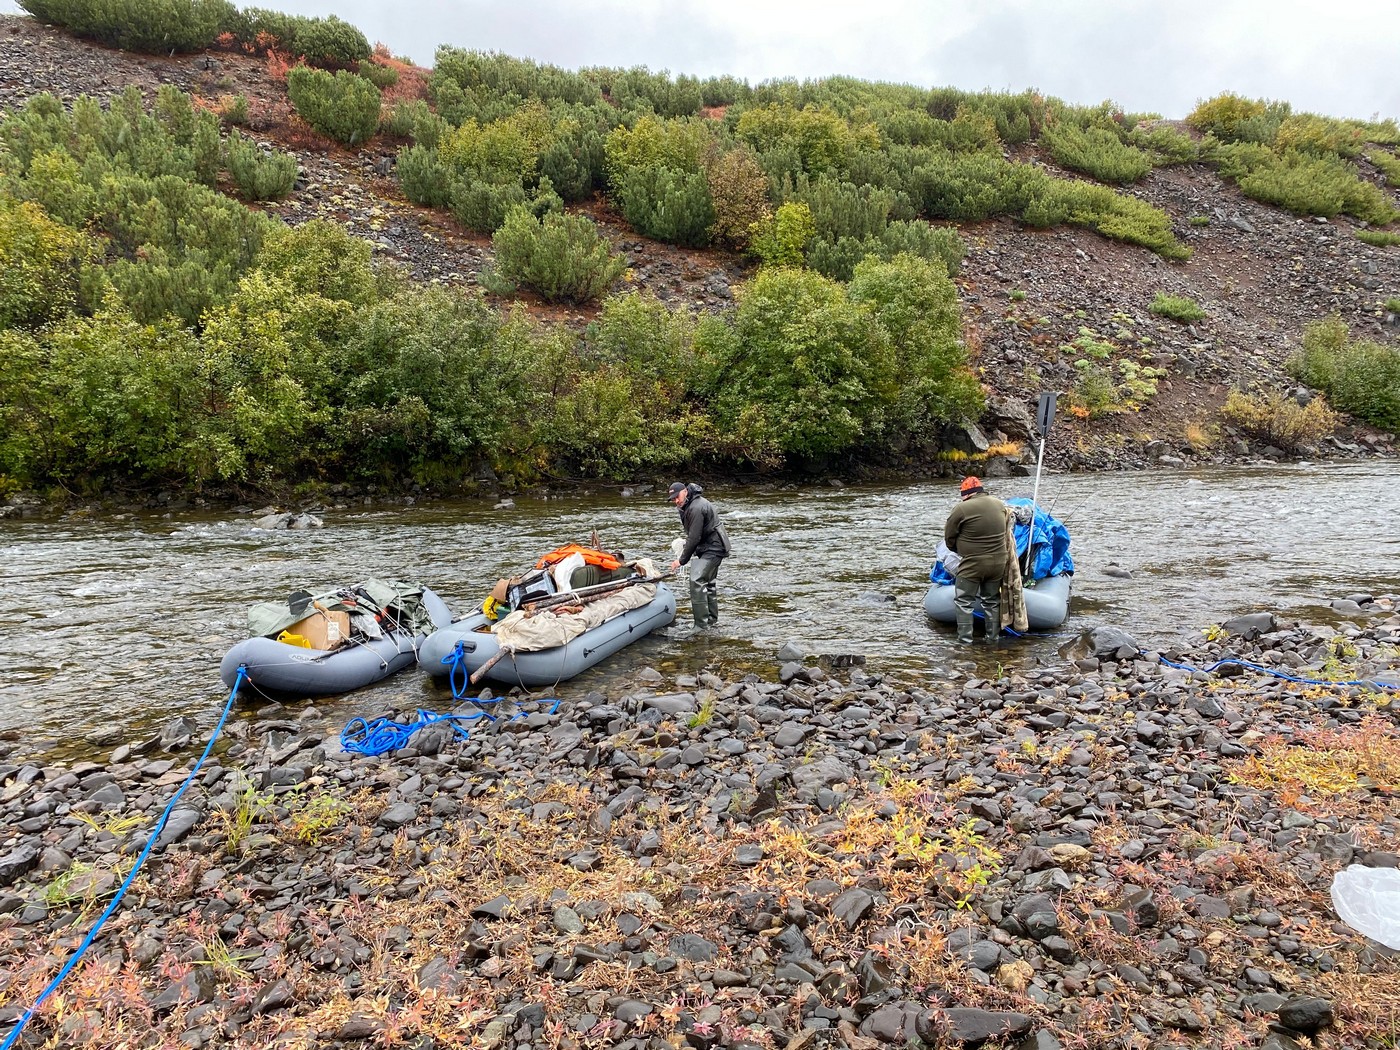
point(1368, 682)
point(140, 860)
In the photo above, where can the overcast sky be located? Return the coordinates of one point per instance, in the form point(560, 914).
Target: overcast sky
point(1336, 58)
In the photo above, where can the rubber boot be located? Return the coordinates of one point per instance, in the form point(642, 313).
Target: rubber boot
point(964, 628)
point(700, 605)
point(993, 622)
point(712, 593)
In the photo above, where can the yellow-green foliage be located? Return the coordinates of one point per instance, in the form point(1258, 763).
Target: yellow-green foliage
point(1361, 757)
point(40, 262)
point(1359, 376)
point(1308, 184)
point(1178, 307)
point(1388, 164)
point(504, 151)
point(1231, 118)
point(1280, 420)
point(782, 238)
point(1097, 152)
point(821, 138)
point(1315, 134)
point(682, 145)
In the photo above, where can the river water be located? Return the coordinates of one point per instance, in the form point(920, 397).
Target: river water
point(121, 623)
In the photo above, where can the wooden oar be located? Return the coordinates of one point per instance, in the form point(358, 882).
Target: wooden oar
point(480, 672)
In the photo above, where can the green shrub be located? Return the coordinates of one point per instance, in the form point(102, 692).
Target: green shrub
point(260, 175)
point(430, 385)
point(1093, 392)
point(423, 177)
point(1378, 238)
point(1177, 307)
point(326, 42)
point(1231, 118)
point(1115, 215)
point(916, 306)
point(842, 209)
point(739, 196)
point(560, 256)
point(341, 105)
point(402, 117)
point(1388, 164)
point(483, 206)
point(380, 76)
point(1360, 377)
point(1393, 305)
point(839, 259)
point(40, 262)
point(235, 110)
point(1319, 185)
point(667, 204)
point(807, 371)
point(1165, 145)
point(104, 400)
point(620, 399)
point(573, 160)
point(320, 258)
point(782, 239)
point(501, 75)
point(1096, 152)
point(149, 26)
point(1280, 420)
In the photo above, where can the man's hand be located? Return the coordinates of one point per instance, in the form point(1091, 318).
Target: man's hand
point(675, 565)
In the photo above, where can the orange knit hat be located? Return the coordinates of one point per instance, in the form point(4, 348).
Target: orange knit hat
point(970, 484)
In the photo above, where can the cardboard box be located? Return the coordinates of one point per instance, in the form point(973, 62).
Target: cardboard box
point(324, 628)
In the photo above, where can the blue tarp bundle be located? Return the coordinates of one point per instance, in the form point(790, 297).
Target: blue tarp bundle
point(1049, 550)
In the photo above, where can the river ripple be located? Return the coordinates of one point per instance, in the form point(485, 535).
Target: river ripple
point(122, 622)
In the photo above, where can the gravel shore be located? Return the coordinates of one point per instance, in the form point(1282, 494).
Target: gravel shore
point(1112, 852)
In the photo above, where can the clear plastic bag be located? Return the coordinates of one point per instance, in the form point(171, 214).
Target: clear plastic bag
point(1368, 900)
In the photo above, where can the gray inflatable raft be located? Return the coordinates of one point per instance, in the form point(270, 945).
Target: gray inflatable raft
point(1047, 602)
point(277, 667)
point(545, 666)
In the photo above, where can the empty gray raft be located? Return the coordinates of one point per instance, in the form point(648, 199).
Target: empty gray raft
point(545, 666)
point(1047, 603)
point(275, 666)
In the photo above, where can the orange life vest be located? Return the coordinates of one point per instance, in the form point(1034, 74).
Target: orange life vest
point(605, 560)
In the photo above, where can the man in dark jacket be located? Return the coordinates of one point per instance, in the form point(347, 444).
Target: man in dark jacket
point(706, 545)
point(976, 532)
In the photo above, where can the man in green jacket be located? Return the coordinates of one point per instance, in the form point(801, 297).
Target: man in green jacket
point(976, 532)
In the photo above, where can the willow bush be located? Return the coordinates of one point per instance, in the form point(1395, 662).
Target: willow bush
point(1360, 377)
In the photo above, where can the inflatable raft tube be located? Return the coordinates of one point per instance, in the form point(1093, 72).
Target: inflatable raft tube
point(1047, 602)
point(276, 667)
point(547, 666)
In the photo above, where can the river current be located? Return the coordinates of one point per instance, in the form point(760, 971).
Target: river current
point(121, 622)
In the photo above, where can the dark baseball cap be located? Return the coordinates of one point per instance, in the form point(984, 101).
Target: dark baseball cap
point(675, 489)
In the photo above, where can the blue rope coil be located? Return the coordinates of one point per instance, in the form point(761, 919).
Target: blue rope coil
point(1369, 683)
point(10, 1039)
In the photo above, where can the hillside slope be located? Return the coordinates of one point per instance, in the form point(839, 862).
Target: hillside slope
point(1260, 274)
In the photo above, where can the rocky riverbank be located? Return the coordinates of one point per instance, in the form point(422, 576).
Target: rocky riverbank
point(1110, 852)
